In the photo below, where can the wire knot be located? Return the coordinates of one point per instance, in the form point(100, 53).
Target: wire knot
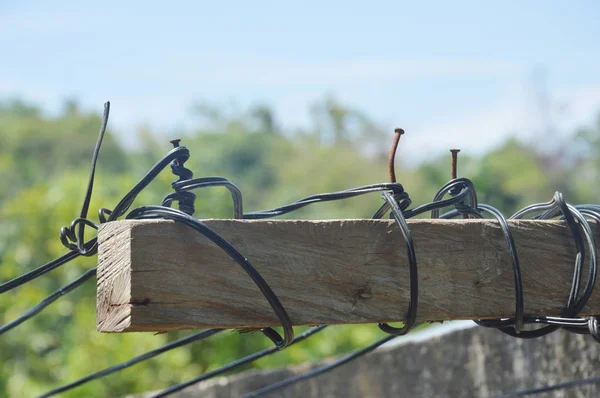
point(72, 237)
point(186, 199)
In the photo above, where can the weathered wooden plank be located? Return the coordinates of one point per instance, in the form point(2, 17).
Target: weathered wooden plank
point(158, 275)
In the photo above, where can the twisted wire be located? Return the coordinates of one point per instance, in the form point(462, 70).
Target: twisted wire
point(461, 189)
point(184, 198)
point(462, 201)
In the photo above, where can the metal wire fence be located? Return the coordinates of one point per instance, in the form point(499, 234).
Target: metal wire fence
point(458, 198)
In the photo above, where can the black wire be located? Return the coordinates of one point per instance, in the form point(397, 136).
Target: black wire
point(512, 251)
point(320, 370)
point(554, 387)
point(39, 271)
point(152, 212)
point(396, 188)
point(90, 186)
point(452, 186)
point(517, 323)
point(459, 189)
point(130, 196)
point(462, 196)
point(391, 202)
point(232, 365)
point(80, 248)
point(90, 247)
point(413, 271)
point(75, 241)
point(400, 195)
point(76, 231)
point(123, 365)
point(162, 212)
point(47, 301)
point(205, 182)
point(575, 303)
point(179, 154)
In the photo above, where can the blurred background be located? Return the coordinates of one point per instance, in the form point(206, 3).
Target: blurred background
point(285, 100)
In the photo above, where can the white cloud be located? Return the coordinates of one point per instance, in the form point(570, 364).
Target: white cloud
point(489, 126)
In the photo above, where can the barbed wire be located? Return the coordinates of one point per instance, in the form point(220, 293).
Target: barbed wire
point(459, 195)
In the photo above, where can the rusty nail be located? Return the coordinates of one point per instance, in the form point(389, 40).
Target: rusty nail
point(454, 161)
point(392, 157)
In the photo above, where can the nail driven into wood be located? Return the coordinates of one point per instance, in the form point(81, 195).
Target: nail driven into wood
point(392, 156)
point(454, 162)
point(453, 173)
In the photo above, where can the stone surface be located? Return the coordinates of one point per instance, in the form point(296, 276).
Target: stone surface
point(444, 362)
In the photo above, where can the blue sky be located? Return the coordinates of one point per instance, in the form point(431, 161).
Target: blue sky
point(452, 74)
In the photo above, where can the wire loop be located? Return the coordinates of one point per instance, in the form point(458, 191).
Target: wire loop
point(184, 198)
point(462, 201)
point(413, 271)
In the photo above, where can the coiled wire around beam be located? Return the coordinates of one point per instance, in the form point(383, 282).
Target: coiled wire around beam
point(461, 201)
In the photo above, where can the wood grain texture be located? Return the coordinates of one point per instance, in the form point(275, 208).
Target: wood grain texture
point(157, 275)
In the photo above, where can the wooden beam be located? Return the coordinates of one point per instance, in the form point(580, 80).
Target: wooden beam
point(158, 275)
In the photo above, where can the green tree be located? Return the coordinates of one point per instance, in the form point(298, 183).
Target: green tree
point(585, 169)
point(34, 148)
point(44, 162)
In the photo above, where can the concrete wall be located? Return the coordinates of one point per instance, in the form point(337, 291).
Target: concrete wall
point(446, 361)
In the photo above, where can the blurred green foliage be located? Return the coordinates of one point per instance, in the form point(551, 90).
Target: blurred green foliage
point(44, 163)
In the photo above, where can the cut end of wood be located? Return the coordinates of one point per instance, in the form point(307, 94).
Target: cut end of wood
point(113, 307)
point(117, 319)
